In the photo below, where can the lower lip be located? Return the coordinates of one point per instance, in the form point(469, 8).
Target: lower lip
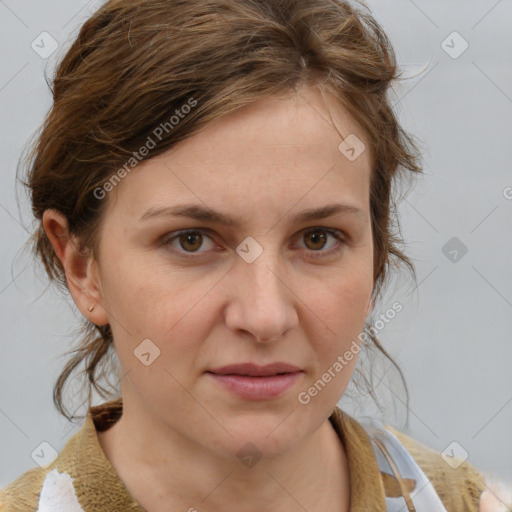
point(257, 388)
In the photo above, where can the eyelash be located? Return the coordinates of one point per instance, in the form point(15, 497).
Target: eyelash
point(314, 254)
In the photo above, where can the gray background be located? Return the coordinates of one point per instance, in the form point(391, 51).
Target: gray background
point(452, 337)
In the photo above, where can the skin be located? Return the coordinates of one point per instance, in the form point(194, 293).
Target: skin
point(178, 437)
point(497, 499)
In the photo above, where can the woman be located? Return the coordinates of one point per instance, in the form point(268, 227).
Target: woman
point(213, 185)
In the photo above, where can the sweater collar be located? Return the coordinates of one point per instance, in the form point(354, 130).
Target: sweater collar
point(98, 483)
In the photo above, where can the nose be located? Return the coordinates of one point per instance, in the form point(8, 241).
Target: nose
point(262, 302)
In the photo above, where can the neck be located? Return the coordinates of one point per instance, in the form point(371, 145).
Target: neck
point(157, 466)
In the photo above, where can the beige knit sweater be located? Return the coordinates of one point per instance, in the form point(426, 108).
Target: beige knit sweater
point(83, 472)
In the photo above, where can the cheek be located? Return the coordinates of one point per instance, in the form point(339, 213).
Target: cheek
point(171, 308)
point(338, 311)
point(341, 301)
point(136, 290)
point(337, 321)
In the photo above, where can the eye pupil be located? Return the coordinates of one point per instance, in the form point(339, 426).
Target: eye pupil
point(189, 238)
point(315, 240)
point(316, 237)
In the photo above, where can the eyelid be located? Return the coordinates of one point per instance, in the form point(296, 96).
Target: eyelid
point(335, 233)
point(170, 237)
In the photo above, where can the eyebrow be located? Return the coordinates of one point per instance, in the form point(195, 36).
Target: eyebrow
point(204, 213)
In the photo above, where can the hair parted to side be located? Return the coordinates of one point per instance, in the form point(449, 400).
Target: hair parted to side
point(135, 62)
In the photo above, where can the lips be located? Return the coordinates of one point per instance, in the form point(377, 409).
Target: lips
point(249, 381)
point(253, 370)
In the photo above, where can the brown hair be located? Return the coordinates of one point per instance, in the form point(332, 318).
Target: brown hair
point(134, 63)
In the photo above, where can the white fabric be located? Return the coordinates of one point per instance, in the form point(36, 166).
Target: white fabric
point(424, 496)
point(58, 494)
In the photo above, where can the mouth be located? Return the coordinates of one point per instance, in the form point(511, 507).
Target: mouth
point(253, 370)
point(252, 382)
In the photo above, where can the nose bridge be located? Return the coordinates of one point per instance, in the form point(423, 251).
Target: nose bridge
point(264, 285)
point(264, 303)
point(260, 265)
point(264, 278)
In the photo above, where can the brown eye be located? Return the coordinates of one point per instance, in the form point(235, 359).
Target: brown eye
point(315, 240)
point(322, 242)
point(191, 241)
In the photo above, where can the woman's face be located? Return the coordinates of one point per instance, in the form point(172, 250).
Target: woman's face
point(272, 285)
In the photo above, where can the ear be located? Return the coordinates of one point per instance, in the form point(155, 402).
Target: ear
point(80, 267)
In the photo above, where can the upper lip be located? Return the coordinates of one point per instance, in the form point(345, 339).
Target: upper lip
point(254, 370)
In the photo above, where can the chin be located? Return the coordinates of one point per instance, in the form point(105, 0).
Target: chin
point(268, 436)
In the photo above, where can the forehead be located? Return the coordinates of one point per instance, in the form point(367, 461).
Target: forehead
point(286, 127)
point(272, 153)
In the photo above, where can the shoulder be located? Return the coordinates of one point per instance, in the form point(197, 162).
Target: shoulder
point(23, 493)
point(458, 484)
point(81, 477)
point(41, 488)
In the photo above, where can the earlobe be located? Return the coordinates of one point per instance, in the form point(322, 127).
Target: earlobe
point(79, 266)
